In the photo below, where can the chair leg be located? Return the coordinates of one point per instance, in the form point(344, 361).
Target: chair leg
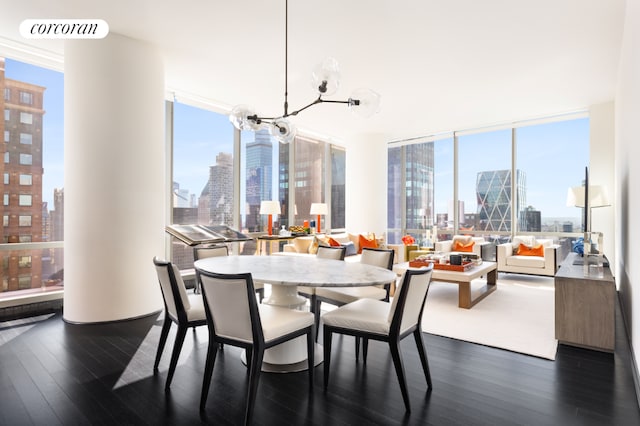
point(365, 349)
point(394, 346)
point(208, 371)
point(177, 347)
point(357, 347)
point(254, 377)
point(260, 292)
point(423, 356)
point(311, 351)
point(163, 340)
point(327, 354)
point(315, 303)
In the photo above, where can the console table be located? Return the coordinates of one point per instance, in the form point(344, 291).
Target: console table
point(585, 307)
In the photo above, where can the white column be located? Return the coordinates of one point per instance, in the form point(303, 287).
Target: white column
point(602, 172)
point(366, 189)
point(114, 178)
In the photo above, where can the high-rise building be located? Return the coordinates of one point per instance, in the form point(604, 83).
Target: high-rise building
point(215, 205)
point(22, 104)
point(530, 220)
point(493, 191)
point(259, 160)
point(416, 162)
point(181, 197)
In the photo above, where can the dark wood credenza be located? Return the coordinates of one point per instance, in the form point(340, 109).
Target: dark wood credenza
point(585, 306)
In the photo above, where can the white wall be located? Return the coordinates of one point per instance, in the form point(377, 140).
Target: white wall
point(114, 178)
point(366, 189)
point(602, 172)
point(627, 175)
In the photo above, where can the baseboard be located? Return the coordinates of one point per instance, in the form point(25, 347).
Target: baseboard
point(634, 363)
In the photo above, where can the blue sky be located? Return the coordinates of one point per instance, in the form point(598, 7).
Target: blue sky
point(552, 155)
point(53, 121)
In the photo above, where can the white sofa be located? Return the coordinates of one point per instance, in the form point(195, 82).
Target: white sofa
point(304, 245)
point(509, 260)
point(446, 247)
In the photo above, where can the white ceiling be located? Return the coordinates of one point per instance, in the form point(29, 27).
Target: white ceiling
point(438, 65)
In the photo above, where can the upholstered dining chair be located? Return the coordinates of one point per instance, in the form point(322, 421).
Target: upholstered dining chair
point(220, 250)
point(339, 296)
point(336, 253)
point(184, 310)
point(387, 322)
point(234, 317)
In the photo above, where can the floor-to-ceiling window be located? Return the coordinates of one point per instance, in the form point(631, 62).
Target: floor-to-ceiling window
point(32, 209)
point(423, 172)
point(484, 182)
point(202, 182)
point(512, 180)
point(210, 186)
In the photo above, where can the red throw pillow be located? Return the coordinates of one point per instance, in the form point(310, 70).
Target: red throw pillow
point(461, 247)
point(364, 242)
point(524, 250)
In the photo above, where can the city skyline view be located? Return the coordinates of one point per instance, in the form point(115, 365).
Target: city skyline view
point(210, 133)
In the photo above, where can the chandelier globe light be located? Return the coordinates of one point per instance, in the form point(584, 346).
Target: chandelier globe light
point(325, 79)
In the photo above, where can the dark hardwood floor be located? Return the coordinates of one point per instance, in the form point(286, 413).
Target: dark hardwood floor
point(53, 373)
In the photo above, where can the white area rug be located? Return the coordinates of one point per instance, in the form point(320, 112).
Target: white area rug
point(519, 316)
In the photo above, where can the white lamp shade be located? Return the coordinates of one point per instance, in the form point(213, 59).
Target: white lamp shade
point(269, 207)
point(598, 196)
point(319, 208)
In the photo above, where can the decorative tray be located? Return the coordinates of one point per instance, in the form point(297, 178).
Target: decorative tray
point(443, 266)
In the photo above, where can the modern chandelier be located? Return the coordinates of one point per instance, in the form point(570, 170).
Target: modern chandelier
point(325, 78)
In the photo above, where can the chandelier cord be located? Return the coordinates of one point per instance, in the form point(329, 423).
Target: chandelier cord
point(286, 58)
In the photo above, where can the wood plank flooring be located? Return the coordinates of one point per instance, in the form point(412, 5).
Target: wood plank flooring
point(54, 373)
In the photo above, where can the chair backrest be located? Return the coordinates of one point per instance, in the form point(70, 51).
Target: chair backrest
point(231, 306)
point(213, 251)
point(408, 302)
point(336, 253)
point(173, 289)
point(378, 257)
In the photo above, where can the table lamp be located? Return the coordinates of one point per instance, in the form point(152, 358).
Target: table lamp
point(318, 209)
point(270, 208)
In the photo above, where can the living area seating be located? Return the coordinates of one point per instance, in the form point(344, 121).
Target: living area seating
point(461, 244)
point(353, 243)
point(528, 255)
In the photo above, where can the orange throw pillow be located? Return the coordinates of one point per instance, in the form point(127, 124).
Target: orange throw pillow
point(364, 242)
point(333, 243)
point(464, 248)
point(524, 250)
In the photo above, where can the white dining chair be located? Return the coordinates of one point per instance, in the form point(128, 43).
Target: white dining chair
point(184, 310)
point(235, 318)
point(339, 296)
point(336, 253)
point(387, 322)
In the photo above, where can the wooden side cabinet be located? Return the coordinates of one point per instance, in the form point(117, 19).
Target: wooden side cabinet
point(585, 307)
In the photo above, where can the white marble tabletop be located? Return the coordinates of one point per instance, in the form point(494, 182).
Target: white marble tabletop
point(294, 270)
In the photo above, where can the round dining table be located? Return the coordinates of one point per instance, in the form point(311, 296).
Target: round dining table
point(284, 274)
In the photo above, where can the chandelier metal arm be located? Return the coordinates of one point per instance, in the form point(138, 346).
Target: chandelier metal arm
point(325, 82)
point(319, 100)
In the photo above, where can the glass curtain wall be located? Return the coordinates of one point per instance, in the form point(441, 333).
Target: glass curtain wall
point(202, 182)
point(204, 171)
point(423, 172)
point(32, 211)
point(509, 181)
point(484, 183)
